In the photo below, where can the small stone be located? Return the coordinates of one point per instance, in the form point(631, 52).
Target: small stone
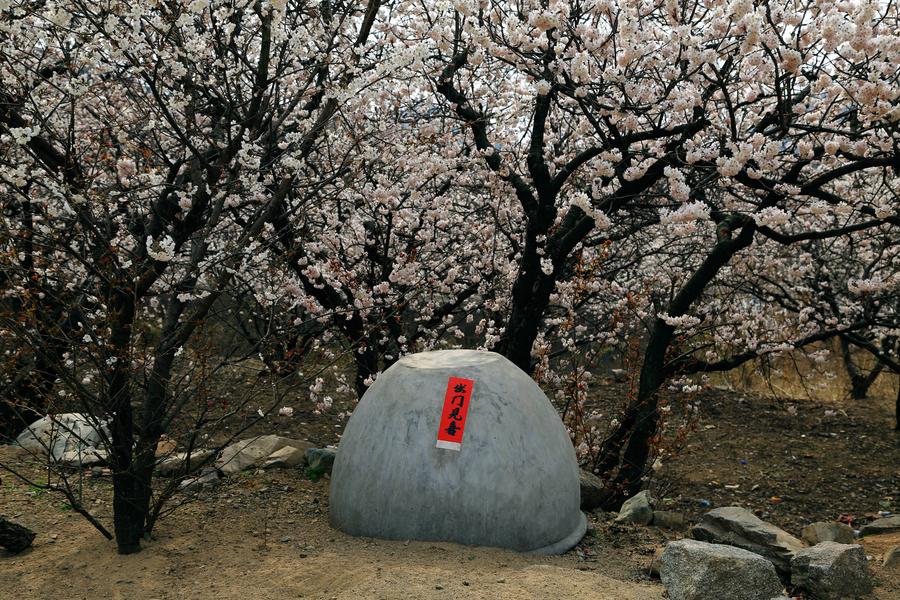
point(655, 563)
point(892, 558)
point(208, 476)
point(827, 532)
point(438, 587)
point(831, 571)
point(250, 453)
point(165, 446)
point(177, 463)
point(669, 520)
point(287, 457)
point(320, 461)
point(637, 509)
point(883, 525)
point(501, 580)
point(592, 490)
point(692, 570)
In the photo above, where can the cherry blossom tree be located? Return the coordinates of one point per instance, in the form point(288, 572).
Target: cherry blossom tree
point(748, 123)
point(544, 178)
point(148, 150)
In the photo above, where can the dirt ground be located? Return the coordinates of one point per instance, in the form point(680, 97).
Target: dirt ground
point(266, 535)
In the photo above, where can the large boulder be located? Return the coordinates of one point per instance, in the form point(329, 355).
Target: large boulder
point(827, 532)
point(412, 464)
point(831, 571)
point(693, 570)
point(70, 439)
point(252, 452)
point(882, 525)
point(736, 526)
point(637, 509)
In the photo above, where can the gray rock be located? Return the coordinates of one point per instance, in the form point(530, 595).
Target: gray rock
point(892, 558)
point(669, 520)
point(287, 457)
point(511, 481)
point(827, 532)
point(637, 509)
point(71, 439)
point(83, 457)
point(320, 461)
point(693, 570)
point(831, 571)
point(882, 525)
point(175, 464)
point(252, 452)
point(655, 563)
point(592, 490)
point(208, 476)
point(736, 526)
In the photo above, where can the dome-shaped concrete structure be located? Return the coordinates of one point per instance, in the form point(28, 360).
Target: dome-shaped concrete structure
point(503, 472)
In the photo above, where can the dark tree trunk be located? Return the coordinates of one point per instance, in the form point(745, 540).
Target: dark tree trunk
point(15, 537)
point(897, 407)
point(859, 382)
point(530, 298)
point(128, 519)
point(638, 427)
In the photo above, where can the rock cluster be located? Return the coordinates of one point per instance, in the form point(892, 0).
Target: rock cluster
point(736, 526)
point(75, 440)
point(737, 555)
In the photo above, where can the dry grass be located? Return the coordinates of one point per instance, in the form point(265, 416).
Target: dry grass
point(798, 377)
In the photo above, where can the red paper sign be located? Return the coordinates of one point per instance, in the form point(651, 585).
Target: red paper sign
point(453, 417)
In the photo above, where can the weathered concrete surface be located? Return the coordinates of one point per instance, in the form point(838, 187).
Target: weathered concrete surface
point(513, 484)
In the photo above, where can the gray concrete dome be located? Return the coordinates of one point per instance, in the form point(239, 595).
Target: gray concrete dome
point(513, 483)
